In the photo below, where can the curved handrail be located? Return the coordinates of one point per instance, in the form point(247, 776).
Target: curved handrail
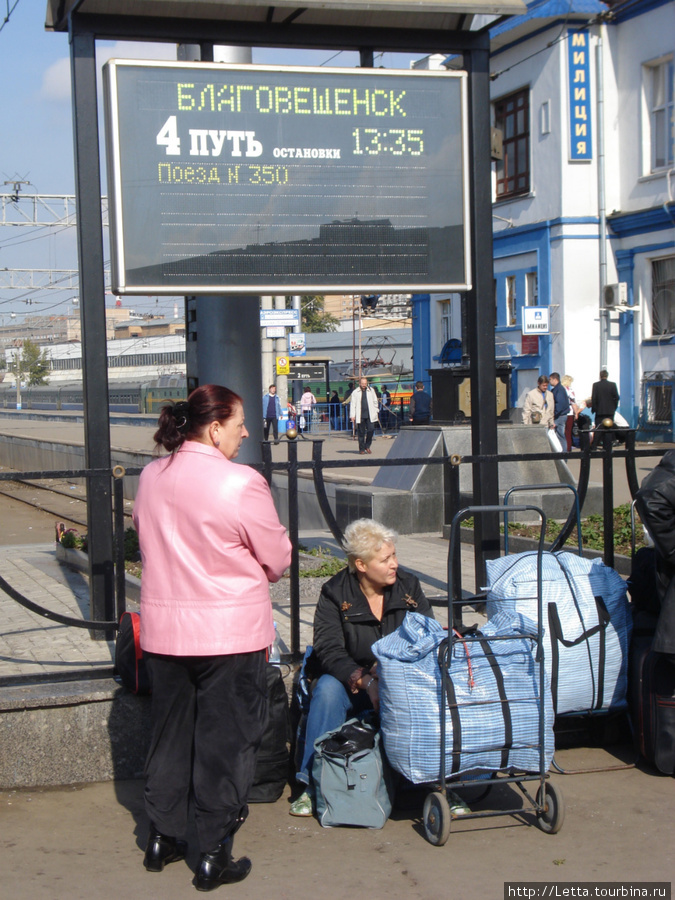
point(581, 490)
point(54, 616)
point(631, 471)
point(321, 496)
point(576, 509)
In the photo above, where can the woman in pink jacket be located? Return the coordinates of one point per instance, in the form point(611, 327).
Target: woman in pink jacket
point(210, 541)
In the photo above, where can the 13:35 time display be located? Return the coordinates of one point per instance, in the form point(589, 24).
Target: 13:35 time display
point(394, 141)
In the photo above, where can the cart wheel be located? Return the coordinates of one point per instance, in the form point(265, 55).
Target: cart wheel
point(437, 818)
point(552, 803)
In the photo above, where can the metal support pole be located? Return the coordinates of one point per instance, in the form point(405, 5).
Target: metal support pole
point(602, 242)
point(92, 313)
point(228, 339)
point(608, 498)
point(480, 310)
point(293, 521)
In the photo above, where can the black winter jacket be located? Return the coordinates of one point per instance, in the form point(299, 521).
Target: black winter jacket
point(345, 628)
point(655, 502)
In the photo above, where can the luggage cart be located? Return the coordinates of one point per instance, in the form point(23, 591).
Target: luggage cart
point(590, 715)
point(548, 804)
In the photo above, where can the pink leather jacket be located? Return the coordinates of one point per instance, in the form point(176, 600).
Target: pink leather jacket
point(210, 541)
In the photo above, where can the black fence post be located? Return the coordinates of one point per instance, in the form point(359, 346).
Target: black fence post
point(266, 450)
point(293, 520)
point(451, 485)
point(118, 516)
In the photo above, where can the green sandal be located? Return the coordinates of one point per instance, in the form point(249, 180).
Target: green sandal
point(302, 806)
point(457, 806)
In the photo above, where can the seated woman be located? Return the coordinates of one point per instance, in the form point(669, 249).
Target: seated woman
point(359, 605)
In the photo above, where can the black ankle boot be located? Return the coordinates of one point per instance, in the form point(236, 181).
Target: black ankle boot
point(161, 850)
point(217, 867)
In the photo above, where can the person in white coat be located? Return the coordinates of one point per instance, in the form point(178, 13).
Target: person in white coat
point(363, 413)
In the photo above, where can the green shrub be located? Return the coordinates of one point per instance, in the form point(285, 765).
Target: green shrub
point(132, 549)
point(71, 540)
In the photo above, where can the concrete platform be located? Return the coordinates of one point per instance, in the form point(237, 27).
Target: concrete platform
point(88, 728)
point(63, 717)
point(408, 498)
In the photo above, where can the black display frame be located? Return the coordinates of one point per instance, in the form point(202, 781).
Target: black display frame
point(345, 243)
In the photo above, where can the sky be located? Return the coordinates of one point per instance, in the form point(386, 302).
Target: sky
point(36, 145)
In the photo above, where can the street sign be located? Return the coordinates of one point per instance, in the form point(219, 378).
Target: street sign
point(289, 318)
point(529, 345)
point(282, 365)
point(276, 331)
point(270, 180)
point(535, 320)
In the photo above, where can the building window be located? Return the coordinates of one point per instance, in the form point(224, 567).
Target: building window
point(446, 321)
point(531, 289)
point(512, 117)
point(660, 84)
point(511, 300)
point(663, 296)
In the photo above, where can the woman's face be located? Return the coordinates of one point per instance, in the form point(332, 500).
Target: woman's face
point(232, 432)
point(381, 568)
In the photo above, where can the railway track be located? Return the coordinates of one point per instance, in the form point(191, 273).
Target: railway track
point(66, 501)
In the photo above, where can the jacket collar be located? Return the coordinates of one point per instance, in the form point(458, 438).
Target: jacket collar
point(350, 593)
point(198, 447)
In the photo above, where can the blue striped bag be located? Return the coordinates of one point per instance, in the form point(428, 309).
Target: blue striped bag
point(492, 692)
point(586, 621)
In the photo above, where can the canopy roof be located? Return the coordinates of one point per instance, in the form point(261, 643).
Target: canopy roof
point(409, 15)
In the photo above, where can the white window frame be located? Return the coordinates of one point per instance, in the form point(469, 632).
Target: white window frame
point(446, 321)
point(671, 316)
point(661, 108)
point(532, 288)
point(511, 301)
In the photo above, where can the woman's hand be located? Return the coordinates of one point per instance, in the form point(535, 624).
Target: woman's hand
point(371, 687)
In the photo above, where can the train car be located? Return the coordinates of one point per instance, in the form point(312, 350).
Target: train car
point(155, 394)
point(124, 397)
point(401, 391)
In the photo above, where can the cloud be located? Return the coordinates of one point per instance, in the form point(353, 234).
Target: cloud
point(56, 82)
point(134, 50)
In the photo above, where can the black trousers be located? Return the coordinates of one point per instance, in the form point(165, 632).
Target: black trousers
point(208, 718)
point(275, 428)
point(365, 430)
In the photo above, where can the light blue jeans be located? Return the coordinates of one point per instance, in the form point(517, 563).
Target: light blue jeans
point(330, 706)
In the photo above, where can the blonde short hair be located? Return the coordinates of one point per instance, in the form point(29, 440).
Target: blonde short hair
point(363, 538)
point(566, 380)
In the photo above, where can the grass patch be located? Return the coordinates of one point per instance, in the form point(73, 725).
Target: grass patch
point(592, 531)
point(330, 566)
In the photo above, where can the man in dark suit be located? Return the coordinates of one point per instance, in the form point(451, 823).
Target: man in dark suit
point(604, 398)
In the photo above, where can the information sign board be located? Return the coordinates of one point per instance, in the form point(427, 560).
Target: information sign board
point(264, 180)
point(535, 320)
point(299, 371)
point(297, 344)
point(287, 317)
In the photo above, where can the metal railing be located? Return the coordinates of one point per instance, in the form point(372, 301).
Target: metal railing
point(603, 449)
point(328, 418)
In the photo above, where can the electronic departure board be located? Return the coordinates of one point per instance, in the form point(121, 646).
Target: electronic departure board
point(254, 179)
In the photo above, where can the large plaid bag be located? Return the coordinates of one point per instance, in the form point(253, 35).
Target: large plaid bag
point(586, 621)
point(492, 695)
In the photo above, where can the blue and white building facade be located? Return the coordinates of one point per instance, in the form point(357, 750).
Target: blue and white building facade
point(583, 204)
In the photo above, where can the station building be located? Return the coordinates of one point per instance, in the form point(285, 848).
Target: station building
point(583, 206)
